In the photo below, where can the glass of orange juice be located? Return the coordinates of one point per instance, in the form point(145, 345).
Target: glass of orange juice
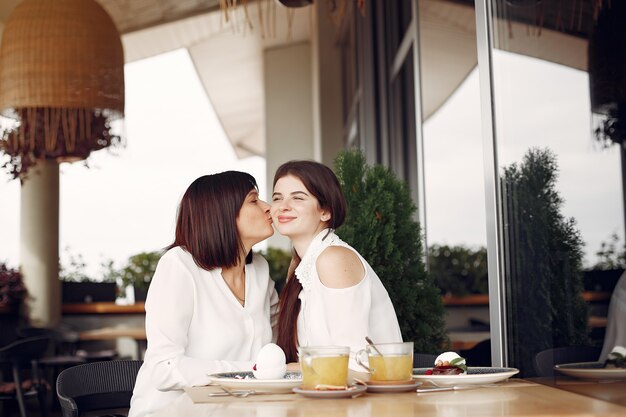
point(387, 362)
point(324, 367)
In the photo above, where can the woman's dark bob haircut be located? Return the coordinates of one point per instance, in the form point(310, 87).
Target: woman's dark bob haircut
point(322, 182)
point(206, 225)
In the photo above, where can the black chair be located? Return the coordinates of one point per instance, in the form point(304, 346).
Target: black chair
point(97, 386)
point(546, 359)
point(423, 360)
point(479, 355)
point(63, 355)
point(64, 340)
point(21, 355)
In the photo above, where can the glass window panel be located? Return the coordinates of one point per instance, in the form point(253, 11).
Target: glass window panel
point(402, 125)
point(561, 188)
point(398, 19)
point(453, 165)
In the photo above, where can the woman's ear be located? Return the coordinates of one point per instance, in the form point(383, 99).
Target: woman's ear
point(325, 216)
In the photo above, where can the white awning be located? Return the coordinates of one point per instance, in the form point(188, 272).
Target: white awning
point(229, 56)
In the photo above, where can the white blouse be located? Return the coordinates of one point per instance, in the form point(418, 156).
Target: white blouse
point(616, 320)
point(195, 326)
point(343, 317)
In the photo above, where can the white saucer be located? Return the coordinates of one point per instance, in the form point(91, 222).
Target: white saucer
point(394, 388)
point(353, 391)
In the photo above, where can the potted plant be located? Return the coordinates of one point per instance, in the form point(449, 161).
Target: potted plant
point(78, 287)
point(138, 273)
point(12, 289)
point(380, 225)
point(13, 309)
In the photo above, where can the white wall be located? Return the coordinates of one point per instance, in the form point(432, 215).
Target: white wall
point(288, 111)
point(327, 94)
point(39, 243)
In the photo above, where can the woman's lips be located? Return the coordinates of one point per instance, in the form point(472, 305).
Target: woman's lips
point(285, 219)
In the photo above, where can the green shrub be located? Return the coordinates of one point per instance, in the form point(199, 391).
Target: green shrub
point(543, 270)
point(137, 272)
point(278, 261)
point(459, 270)
point(139, 269)
point(75, 268)
point(381, 227)
point(12, 289)
point(611, 255)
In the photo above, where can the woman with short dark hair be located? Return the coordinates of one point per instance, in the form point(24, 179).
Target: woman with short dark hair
point(210, 302)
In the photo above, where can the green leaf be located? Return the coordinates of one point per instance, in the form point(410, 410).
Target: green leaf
point(459, 363)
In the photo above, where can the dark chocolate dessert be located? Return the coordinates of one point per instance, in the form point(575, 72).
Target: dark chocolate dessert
point(447, 370)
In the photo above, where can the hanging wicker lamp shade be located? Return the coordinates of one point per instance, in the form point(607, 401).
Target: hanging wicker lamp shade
point(61, 80)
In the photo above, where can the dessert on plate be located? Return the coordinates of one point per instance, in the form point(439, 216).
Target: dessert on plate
point(270, 363)
point(448, 363)
point(616, 359)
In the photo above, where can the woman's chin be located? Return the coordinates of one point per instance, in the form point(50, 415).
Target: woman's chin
point(269, 234)
point(282, 229)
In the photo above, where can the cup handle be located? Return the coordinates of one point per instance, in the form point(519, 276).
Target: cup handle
point(307, 360)
point(359, 361)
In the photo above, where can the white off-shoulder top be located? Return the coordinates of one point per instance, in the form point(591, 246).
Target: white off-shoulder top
point(616, 324)
point(342, 317)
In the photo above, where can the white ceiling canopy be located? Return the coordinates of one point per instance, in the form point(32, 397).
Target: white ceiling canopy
point(229, 60)
point(448, 50)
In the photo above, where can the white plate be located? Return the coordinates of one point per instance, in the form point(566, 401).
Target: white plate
point(393, 388)
point(344, 393)
point(590, 370)
point(474, 376)
point(245, 380)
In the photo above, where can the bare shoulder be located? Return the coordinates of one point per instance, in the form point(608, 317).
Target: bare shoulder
point(339, 267)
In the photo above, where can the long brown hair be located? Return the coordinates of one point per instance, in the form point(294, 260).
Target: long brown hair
point(206, 224)
point(323, 184)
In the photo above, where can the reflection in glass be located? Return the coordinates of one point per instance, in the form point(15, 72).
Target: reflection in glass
point(561, 191)
point(543, 261)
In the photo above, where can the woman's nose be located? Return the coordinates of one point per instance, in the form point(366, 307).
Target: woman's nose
point(265, 206)
point(280, 205)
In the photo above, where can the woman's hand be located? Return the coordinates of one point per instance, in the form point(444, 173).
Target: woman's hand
point(293, 366)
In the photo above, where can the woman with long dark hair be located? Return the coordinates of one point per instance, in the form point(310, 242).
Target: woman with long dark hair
point(332, 295)
point(210, 302)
